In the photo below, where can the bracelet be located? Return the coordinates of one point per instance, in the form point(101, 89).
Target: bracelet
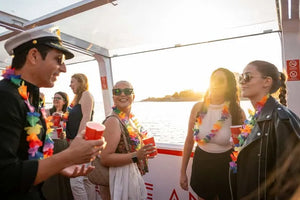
point(134, 158)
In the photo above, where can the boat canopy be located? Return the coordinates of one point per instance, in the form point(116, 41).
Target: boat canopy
point(105, 29)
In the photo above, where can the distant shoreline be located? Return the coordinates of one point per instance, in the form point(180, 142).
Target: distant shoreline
point(177, 99)
point(170, 99)
point(186, 95)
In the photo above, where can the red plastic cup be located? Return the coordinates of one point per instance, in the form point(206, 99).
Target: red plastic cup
point(150, 140)
point(59, 131)
point(235, 132)
point(94, 131)
point(56, 119)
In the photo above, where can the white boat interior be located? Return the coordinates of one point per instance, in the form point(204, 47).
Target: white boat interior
point(104, 30)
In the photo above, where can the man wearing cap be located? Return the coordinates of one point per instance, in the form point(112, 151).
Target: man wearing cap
point(26, 148)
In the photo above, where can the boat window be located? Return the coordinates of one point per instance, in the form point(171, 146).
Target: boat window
point(162, 47)
point(166, 82)
point(91, 70)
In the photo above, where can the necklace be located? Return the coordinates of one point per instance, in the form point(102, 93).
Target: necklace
point(33, 118)
point(65, 116)
point(246, 131)
point(216, 127)
point(135, 130)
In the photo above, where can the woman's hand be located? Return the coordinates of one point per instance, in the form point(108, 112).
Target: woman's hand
point(77, 170)
point(144, 152)
point(184, 182)
point(83, 151)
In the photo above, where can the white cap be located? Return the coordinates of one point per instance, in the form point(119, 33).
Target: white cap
point(48, 35)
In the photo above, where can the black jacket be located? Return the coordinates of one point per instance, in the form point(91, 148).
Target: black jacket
point(277, 131)
point(17, 173)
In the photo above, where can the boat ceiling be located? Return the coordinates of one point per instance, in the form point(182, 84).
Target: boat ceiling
point(124, 27)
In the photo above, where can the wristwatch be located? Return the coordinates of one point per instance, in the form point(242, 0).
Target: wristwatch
point(134, 158)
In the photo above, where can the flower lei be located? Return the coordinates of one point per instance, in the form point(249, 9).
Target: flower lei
point(63, 122)
point(33, 118)
point(65, 116)
point(134, 132)
point(246, 131)
point(216, 127)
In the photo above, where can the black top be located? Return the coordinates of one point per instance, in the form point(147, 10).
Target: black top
point(17, 173)
point(74, 119)
point(73, 122)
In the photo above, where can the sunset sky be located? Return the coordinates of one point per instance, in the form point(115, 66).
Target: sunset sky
point(161, 73)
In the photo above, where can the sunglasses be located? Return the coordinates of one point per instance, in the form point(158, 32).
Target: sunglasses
point(247, 77)
point(118, 92)
point(57, 98)
point(61, 59)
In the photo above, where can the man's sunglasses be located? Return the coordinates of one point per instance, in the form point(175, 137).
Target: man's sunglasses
point(246, 77)
point(61, 59)
point(118, 92)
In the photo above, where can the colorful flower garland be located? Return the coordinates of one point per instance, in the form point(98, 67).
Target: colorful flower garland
point(65, 117)
point(134, 132)
point(33, 118)
point(246, 131)
point(216, 127)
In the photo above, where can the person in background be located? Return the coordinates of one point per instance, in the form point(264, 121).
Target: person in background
point(58, 187)
point(60, 103)
point(58, 114)
point(80, 113)
point(124, 151)
point(271, 132)
point(209, 126)
point(26, 147)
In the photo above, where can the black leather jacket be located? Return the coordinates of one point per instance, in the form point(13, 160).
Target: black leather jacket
point(277, 131)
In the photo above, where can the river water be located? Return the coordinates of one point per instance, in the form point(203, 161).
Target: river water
point(166, 121)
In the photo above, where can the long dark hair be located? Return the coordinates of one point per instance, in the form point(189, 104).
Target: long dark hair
point(268, 69)
point(65, 106)
point(232, 96)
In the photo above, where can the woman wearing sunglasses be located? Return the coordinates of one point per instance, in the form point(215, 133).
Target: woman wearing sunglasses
point(124, 153)
point(81, 111)
point(209, 126)
point(271, 132)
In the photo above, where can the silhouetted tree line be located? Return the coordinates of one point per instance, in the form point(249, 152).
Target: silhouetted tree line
point(186, 95)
